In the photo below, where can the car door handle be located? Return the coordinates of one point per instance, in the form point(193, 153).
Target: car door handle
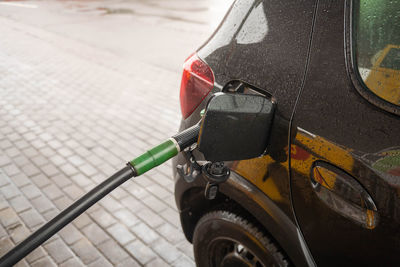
point(344, 194)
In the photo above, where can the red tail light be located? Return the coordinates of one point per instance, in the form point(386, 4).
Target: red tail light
point(197, 82)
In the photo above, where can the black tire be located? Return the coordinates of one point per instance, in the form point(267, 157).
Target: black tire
point(222, 238)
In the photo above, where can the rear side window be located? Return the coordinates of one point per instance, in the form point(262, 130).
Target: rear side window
point(376, 34)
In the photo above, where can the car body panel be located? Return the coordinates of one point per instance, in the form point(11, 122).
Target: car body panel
point(278, 58)
point(336, 125)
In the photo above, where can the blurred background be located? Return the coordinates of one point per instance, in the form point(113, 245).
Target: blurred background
point(86, 86)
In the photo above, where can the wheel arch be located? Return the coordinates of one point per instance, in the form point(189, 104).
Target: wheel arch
point(237, 194)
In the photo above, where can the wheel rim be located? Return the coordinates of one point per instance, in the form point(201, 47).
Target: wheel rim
point(225, 253)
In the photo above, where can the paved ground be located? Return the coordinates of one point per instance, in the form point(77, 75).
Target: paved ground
point(84, 87)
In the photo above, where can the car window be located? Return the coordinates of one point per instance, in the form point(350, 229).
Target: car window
point(377, 47)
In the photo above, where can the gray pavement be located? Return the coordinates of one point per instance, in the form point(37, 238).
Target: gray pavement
point(84, 87)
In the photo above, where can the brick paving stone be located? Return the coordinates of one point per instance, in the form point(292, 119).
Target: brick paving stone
point(151, 218)
point(40, 180)
point(170, 215)
point(87, 169)
point(4, 160)
point(186, 248)
point(95, 160)
point(12, 152)
point(20, 204)
point(95, 234)
point(73, 262)
point(47, 152)
point(110, 204)
point(70, 234)
point(168, 252)
point(30, 170)
point(30, 191)
point(171, 233)
point(154, 203)
point(171, 202)
point(75, 160)
point(69, 143)
point(144, 181)
point(132, 204)
point(8, 217)
point(73, 191)
point(101, 262)
point(82, 221)
point(3, 203)
point(145, 233)
point(119, 193)
point(21, 160)
point(39, 160)
point(38, 144)
point(126, 217)
point(140, 251)
point(4, 144)
point(18, 233)
point(52, 191)
point(42, 204)
point(35, 255)
point(10, 170)
point(31, 218)
point(58, 250)
point(120, 233)
point(9, 191)
point(21, 263)
point(69, 169)
point(21, 144)
point(5, 246)
point(113, 251)
point(3, 180)
point(85, 251)
point(158, 191)
point(103, 218)
point(128, 262)
point(62, 202)
point(30, 152)
point(49, 170)
point(50, 214)
point(157, 263)
point(55, 144)
point(3, 232)
point(61, 180)
point(58, 160)
point(81, 180)
point(61, 123)
point(44, 262)
point(65, 152)
point(183, 262)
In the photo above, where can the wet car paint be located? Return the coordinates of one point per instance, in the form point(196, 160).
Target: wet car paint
point(331, 110)
point(271, 56)
point(332, 124)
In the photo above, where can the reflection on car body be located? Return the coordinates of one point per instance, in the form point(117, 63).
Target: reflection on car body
point(384, 77)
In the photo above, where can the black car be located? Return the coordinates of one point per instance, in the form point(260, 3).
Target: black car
point(327, 190)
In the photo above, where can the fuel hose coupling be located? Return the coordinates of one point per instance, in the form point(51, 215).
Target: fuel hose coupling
point(165, 151)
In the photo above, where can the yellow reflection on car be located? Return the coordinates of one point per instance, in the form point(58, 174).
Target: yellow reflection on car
point(384, 77)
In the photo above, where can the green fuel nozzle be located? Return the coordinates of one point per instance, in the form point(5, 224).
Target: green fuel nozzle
point(145, 162)
point(166, 150)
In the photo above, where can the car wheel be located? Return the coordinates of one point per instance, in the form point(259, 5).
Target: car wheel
point(222, 238)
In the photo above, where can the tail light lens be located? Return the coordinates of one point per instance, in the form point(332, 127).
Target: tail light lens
point(197, 82)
